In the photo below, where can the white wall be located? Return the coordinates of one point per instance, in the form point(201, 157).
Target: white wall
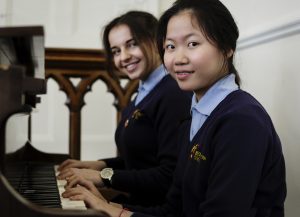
point(267, 59)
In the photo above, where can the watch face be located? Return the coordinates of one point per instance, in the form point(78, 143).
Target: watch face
point(106, 173)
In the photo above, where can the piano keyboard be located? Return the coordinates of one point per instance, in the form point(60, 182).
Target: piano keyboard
point(37, 182)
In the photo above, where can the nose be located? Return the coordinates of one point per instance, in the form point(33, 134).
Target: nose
point(125, 55)
point(181, 57)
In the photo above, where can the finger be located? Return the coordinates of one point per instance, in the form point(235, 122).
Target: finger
point(95, 191)
point(84, 182)
point(72, 192)
point(72, 181)
point(83, 194)
point(64, 174)
point(63, 165)
point(80, 193)
point(89, 186)
point(77, 197)
point(88, 201)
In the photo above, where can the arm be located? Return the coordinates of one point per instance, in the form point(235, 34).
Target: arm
point(94, 202)
point(71, 163)
point(86, 191)
point(74, 169)
point(173, 204)
point(165, 117)
point(238, 153)
point(115, 162)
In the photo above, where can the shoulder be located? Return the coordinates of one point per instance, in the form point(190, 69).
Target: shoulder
point(241, 110)
point(241, 102)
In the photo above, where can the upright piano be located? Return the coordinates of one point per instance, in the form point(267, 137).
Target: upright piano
point(28, 185)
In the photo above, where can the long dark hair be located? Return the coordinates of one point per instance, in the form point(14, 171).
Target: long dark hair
point(143, 27)
point(215, 21)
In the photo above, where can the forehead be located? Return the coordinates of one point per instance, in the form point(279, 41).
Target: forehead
point(182, 22)
point(119, 35)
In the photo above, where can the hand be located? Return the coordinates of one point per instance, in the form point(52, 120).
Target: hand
point(92, 201)
point(82, 193)
point(70, 163)
point(74, 173)
point(73, 182)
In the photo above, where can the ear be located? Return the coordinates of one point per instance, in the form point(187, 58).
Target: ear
point(229, 53)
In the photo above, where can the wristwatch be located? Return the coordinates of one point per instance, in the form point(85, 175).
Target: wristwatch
point(106, 175)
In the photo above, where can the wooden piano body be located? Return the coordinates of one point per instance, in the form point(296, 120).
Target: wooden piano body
point(21, 81)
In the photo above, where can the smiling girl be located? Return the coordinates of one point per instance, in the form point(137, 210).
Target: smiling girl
point(233, 164)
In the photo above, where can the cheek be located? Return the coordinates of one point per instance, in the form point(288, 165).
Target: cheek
point(168, 62)
point(118, 66)
point(116, 62)
point(208, 61)
point(215, 63)
point(138, 53)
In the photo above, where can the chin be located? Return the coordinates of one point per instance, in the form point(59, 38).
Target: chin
point(133, 76)
point(184, 86)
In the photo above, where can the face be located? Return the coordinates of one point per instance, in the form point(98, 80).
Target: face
point(190, 57)
point(127, 55)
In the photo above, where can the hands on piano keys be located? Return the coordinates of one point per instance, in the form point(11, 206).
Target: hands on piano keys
point(65, 202)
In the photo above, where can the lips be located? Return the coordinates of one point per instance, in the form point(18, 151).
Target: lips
point(131, 66)
point(182, 75)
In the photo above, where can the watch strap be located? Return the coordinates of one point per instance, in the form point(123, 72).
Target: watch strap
point(106, 182)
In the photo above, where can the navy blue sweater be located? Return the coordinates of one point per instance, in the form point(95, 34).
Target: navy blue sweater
point(146, 139)
point(233, 167)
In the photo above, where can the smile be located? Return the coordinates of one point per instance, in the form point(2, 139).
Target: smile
point(181, 75)
point(131, 66)
point(184, 72)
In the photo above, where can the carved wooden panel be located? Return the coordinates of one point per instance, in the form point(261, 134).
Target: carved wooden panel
point(89, 65)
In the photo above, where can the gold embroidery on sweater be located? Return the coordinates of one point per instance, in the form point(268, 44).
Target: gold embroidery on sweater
point(135, 116)
point(196, 154)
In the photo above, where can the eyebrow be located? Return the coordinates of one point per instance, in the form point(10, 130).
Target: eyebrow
point(185, 37)
point(126, 42)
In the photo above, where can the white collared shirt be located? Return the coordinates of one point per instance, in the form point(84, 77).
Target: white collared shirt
point(215, 94)
point(146, 86)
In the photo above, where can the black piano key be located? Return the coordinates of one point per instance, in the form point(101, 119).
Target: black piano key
point(36, 182)
point(41, 197)
point(36, 190)
point(47, 203)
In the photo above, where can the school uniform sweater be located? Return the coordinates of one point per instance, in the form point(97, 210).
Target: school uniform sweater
point(233, 167)
point(146, 139)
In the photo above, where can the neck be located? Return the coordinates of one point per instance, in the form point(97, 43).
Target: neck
point(151, 70)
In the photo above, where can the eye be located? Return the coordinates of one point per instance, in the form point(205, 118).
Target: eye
point(169, 47)
point(132, 43)
point(115, 52)
point(193, 44)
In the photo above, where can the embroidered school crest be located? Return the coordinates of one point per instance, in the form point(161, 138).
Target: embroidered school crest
point(135, 116)
point(196, 154)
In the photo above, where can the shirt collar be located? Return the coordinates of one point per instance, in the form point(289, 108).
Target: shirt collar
point(153, 78)
point(214, 95)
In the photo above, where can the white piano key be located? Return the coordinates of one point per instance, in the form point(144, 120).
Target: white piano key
point(61, 183)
